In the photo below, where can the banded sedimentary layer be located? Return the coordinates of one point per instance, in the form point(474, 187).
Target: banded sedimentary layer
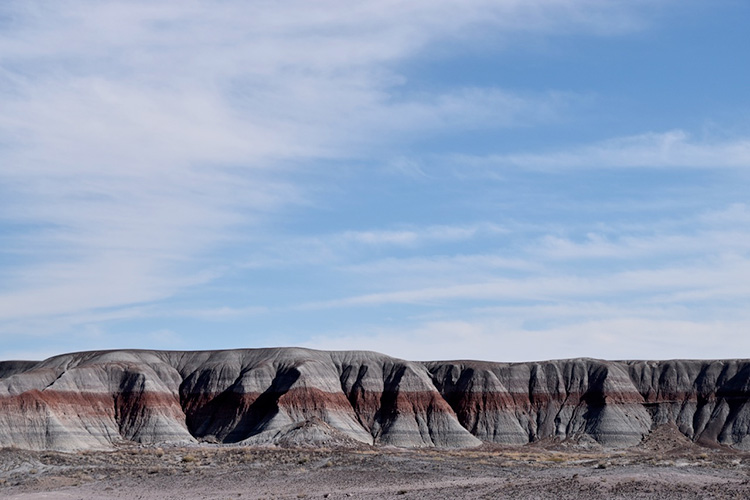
point(300, 396)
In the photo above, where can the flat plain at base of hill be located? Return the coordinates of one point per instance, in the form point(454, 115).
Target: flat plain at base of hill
point(220, 472)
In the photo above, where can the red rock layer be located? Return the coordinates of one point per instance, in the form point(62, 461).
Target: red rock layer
point(97, 399)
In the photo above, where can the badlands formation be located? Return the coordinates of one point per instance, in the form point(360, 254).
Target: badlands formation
point(302, 397)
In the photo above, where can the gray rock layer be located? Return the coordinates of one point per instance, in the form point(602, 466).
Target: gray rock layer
point(292, 396)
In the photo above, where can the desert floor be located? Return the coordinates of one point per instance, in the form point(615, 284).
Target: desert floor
point(663, 470)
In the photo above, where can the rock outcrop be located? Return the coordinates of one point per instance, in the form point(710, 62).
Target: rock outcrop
point(292, 396)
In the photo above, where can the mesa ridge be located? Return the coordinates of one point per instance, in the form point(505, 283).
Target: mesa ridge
point(304, 397)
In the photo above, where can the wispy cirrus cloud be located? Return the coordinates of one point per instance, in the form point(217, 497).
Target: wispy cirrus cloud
point(149, 148)
point(343, 249)
point(722, 279)
point(673, 288)
point(138, 136)
point(672, 149)
point(414, 236)
point(492, 339)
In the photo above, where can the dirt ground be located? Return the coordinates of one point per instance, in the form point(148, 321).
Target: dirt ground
point(218, 472)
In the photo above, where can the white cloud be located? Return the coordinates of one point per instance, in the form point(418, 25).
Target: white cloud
point(217, 313)
point(429, 234)
point(719, 279)
point(341, 249)
point(666, 289)
point(628, 292)
point(442, 266)
point(137, 137)
point(498, 340)
point(675, 148)
point(602, 246)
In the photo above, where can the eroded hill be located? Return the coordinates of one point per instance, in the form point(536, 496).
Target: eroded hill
point(96, 400)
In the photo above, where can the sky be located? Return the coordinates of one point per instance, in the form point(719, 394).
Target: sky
point(505, 180)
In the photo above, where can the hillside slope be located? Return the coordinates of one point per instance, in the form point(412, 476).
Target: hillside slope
point(96, 400)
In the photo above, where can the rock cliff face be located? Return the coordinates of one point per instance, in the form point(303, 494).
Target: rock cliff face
point(301, 396)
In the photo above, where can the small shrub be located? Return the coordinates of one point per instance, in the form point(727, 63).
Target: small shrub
point(188, 459)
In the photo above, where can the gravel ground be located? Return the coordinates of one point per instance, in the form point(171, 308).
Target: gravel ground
point(218, 472)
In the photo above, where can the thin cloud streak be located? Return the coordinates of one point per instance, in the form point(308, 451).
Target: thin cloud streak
point(428, 234)
point(672, 149)
point(710, 261)
point(642, 295)
point(712, 281)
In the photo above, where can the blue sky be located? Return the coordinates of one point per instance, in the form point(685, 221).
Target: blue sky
point(504, 180)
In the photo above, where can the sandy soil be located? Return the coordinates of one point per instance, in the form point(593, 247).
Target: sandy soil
point(661, 471)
